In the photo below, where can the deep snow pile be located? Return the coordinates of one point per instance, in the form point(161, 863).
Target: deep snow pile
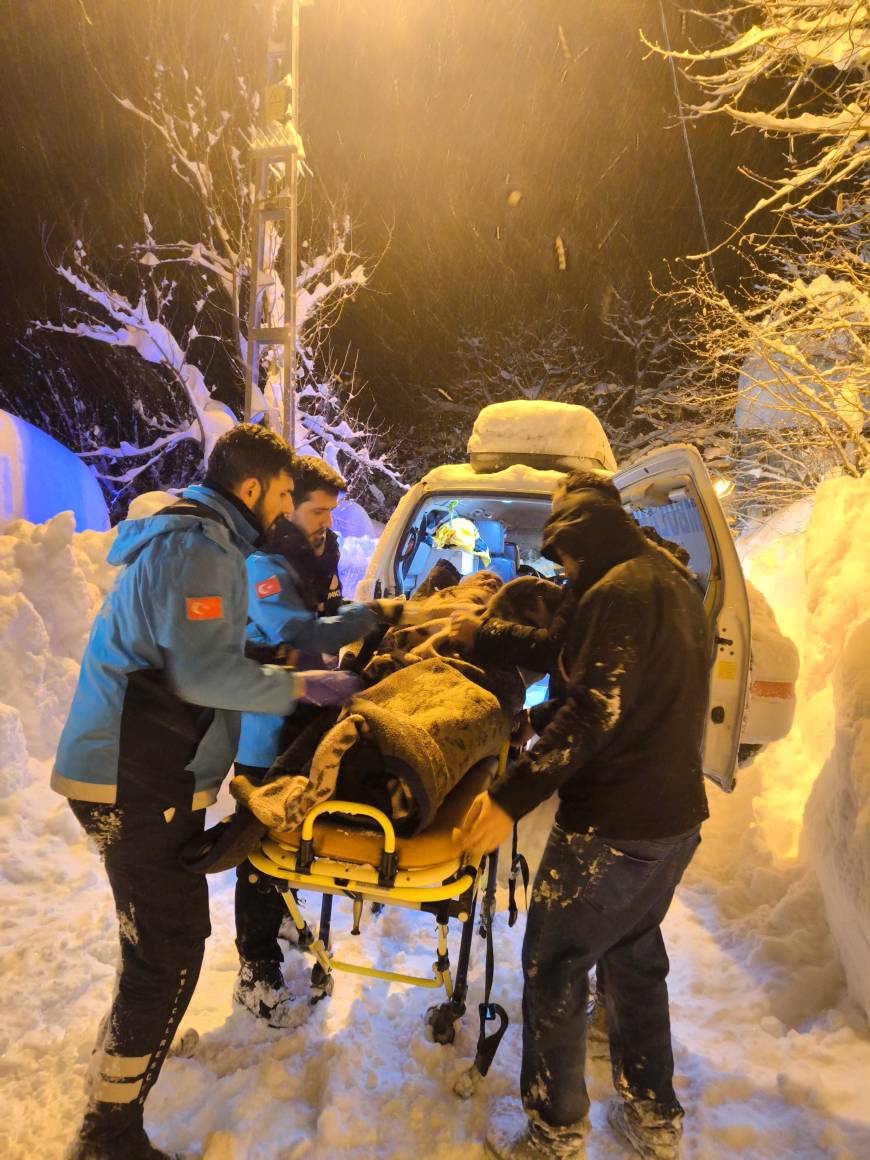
point(838, 688)
point(52, 582)
point(772, 1058)
point(818, 583)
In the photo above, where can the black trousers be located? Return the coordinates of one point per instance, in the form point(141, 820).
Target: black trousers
point(597, 900)
point(259, 913)
point(163, 922)
point(258, 917)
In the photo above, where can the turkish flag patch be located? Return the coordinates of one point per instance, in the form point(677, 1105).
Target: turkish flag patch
point(204, 607)
point(268, 587)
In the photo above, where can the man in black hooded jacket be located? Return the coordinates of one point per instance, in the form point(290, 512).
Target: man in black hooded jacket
point(621, 743)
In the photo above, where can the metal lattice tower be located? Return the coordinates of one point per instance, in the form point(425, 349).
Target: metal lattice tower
point(276, 155)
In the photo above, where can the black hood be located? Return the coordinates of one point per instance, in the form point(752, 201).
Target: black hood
point(594, 530)
point(283, 538)
point(314, 574)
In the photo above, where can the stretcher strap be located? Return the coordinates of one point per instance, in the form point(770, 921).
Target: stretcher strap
point(487, 1045)
point(518, 866)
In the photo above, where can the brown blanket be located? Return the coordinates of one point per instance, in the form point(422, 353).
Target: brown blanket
point(431, 717)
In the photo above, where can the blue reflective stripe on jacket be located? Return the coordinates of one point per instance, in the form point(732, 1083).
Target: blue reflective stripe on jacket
point(277, 614)
point(178, 608)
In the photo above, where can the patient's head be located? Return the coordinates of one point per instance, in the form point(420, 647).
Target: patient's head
point(526, 600)
point(480, 584)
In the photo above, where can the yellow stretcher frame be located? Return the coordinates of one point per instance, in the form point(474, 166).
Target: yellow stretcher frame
point(446, 888)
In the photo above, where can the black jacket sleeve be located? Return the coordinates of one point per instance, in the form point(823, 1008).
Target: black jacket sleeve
point(601, 688)
point(502, 642)
point(542, 714)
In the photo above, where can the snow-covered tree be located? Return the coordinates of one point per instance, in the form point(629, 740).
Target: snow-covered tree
point(528, 360)
point(798, 70)
point(645, 404)
point(785, 364)
point(180, 302)
point(783, 359)
point(633, 389)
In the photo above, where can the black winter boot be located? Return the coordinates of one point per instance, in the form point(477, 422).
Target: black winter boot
point(512, 1134)
point(115, 1132)
point(261, 989)
point(654, 1132)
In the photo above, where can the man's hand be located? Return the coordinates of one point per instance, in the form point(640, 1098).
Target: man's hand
point(463, 630)
point(388, 611)
point(523, 730)
point(484, 827)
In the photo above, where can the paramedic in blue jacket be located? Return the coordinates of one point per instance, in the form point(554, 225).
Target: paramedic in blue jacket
point(287, 589)
point(151, 733)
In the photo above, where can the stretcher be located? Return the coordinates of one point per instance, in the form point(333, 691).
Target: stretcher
point(367, 863)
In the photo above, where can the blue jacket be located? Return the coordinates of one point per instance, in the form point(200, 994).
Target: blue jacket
point(278, 614)
point(155, 715)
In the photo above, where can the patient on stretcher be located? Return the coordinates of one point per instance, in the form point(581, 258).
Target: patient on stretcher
point(426, 718)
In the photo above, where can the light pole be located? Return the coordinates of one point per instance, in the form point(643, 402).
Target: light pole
point(276, 154)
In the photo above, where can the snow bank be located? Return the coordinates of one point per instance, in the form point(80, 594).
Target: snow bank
point(39, 477)
point(837, 681)
point(52, 582)
point(814, 802)
point(754, 871)
point(351, 519)
point(358, 537)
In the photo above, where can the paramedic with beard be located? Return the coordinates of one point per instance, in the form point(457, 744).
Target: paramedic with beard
point(151, 733)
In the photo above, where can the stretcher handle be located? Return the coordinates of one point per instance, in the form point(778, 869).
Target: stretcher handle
point(305, 855)
point(503, 756)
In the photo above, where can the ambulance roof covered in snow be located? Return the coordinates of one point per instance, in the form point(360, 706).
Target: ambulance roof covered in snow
point(518, 477)
point(526, 430)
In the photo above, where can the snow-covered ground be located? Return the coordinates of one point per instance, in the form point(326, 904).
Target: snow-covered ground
point(773, 1057)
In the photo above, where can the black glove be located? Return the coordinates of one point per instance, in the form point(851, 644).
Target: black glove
point(267, 654)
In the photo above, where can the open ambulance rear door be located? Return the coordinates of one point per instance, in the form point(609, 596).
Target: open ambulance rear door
point(669, 489)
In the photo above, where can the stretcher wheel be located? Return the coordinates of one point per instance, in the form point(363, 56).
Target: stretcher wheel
point(442, 1020)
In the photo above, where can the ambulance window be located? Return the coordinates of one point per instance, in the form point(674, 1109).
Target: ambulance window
point(680, 522)
point(471, 531)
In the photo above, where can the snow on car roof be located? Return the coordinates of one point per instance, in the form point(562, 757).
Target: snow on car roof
point(517, 477)
point(541, 427)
